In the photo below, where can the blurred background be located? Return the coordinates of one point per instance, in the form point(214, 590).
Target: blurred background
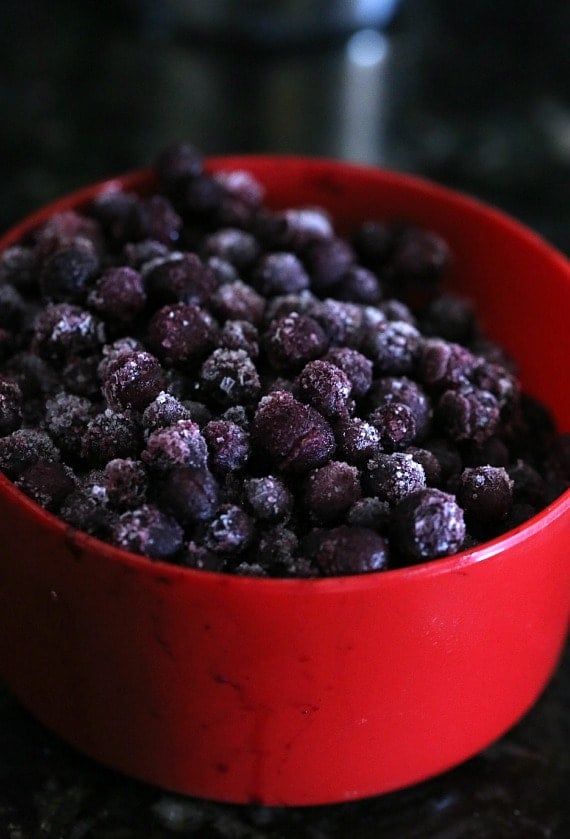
point(473, 94)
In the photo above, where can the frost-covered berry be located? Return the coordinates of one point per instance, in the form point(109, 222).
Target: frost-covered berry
point(126, 482)
point(62, 330)
point(326, 387)
point(108, 435)
point(356, 366)
point(190, 494)
point(428, 524)
point(179, 444)
point(118, 295)
point(346, 550)
point(148, 531)
point(295, 436)
point(331, 490)
point(24, 447)
point(358, 441)
point(485, 493)
point(393, 346)
point(47, 483)
point(181, 333)
point(228, 445)
point(237, 301)
point(230, 531)
point(230, 377)
point(133, 381)
point(164, 410)
point(269, 498)
point(396, 425)
point(180, 277)
point(293, 340)
point(391, 477)
point(280, 273)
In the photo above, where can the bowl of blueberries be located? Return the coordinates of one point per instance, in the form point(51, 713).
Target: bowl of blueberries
point(284, 474)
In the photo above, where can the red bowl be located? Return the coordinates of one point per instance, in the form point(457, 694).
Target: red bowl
point(289, 692)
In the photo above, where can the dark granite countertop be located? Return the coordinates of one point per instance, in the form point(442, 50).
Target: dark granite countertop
point(475, 96)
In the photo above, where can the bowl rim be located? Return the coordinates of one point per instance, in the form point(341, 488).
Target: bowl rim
point(144, 179)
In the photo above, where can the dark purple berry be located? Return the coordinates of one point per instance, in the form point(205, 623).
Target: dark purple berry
point(181, 333)
point(133, 381)
point(295, 436)
point(176, 165)
point(87, 508)
point(331, 490)
point(373, 241)
point(400, 389)
point(108, 435)
point(47, 483)
point(444, 365)
point(126, 482)
point(391, 477)
point(234, 245)
point(356, 366)
point(468, 414)
point(12, 308)
point(419, 258)
point(66, 274)
point(118, 294)
point(394, 347)
point(349, 550)
point(358, 441)
point(111, 353)
point(240, 335)
point(24, 447)
point(304, 226)
point(164, 410)
point(180, 444)
point(341, 322)
point(195, 555)
point(179, 278)
point(148, 531)
point(10, 406)
point(328, 261)
point(18, 267)
point(269, 498)
point(292, 341)
point(230, 531)
point(190, 494)
point(62, 330)
point(528, 485)
point(485, 493)
point(139, 254)
point(396, 425)
point(428, 524)
point(326, 387)
point(154, 218)
point(370, 512)
point(66, 418)
point(230, 377)
point(359, 285)
point(451, 318)
point(237, 301)
point(228, 445)
point(280, 273)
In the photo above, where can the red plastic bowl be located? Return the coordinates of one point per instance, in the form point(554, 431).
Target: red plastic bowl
point(306, 691)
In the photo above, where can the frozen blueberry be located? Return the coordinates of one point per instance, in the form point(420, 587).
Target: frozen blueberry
point(341, 322)
point(445, 365)
point(468, 413)
point(62, 330)
point(79, 375)
point(234, 245)
point(499, 381)
point(12, 308)
point(179, 444)
point(24, 447)
point(295, 436)
point(428, 524)
point(181, 333)
point(331, 490)
point(292, 341)
point(66, 274)
point(154, 218)
point(346, 550)
point(138, 254)
point(190, 494)
point(230, 531)
point(419, 258)
point(450, 317)
point(304, 226)
point(111, 353)
point(87, 508)
point(430, 464)
point(280, 273)
point(10, 405)
point(48, 484)
point(181, 277)
point(195, 555)
point(359, 285)
point(224, 271)
point(391, 477)
point(33, 375)
point(396, 425)
point(240, 335)
point(164, 410)
point(485, 493)
point(108, 435)
point(528, 485)
point(228, 445)
point(126, 482)
point(356, 366)
point(269, 498)
point(326, 387)
point(373, 241)
point(394, 309)
point(358, 441)
point(176, 165)
point(133, 381)
point(114, 210)
point(230, 377)
point(148, 531)
point(447, 455)
point(406, 391)
point(328, 261)
point(18, 267)
point(237, 301)
point(369, 512)
point(66, 418)
point(393, 346)
point(284, 304)
point(118, 295)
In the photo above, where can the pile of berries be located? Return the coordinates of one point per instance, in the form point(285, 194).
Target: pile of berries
point(196, 378)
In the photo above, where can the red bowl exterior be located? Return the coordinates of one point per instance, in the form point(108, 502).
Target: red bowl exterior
point(288, 692)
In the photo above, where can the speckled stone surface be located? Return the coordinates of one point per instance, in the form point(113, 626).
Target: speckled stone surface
point(475, 97)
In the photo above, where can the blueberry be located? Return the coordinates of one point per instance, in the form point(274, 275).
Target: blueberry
point(396, 425)
point(393, 346)
point(269, 498)
point(428, 524)
point(280, 273)
point(164, 410)
point(179, 444)
point(118, 294)
point(292, 341)
point(181, 333)
point(179, 278)
point(237, 301)
point(295, 436)
point(331, 490)
point(47, 483)
point(358, 441)
point(148, 531)
point(356, 366)
point(133, 381)
point(326, 387)
point(25, 447)
point(190, 494)
point(485, 493)
point(349, 550)
point(62, 330)
point(108, 435)
point(230, 531)
point(228, 445)
point(391, 477)
point(230, 377)
point(66, 274)
point(10, 406)
point(126, 482)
